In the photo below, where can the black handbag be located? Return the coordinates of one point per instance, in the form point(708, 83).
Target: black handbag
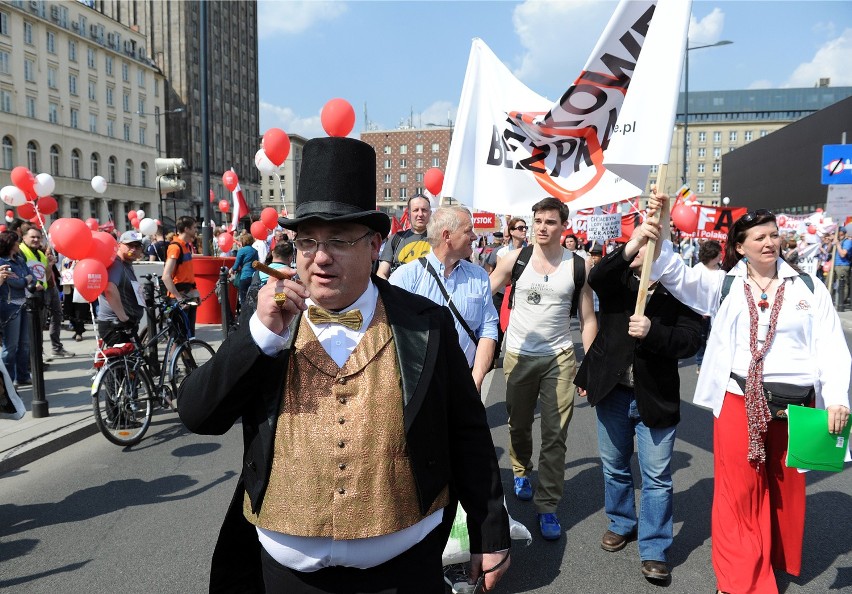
point(779, 396)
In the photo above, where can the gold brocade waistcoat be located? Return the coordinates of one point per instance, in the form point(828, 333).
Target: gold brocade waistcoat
point(340, 467)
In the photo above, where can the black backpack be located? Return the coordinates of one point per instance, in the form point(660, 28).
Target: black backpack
point(579, 276)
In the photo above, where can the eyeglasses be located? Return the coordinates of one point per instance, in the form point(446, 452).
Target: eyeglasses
point(333, 247)
point(754, 214)
point(520, 228)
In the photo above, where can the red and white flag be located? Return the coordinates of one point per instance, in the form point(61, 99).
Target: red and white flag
point(404, 221)
point(512, 147)
point(240, 208)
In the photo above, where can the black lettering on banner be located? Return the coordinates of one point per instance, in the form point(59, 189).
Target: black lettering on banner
point(529, 162)
point(564, 149)
point(582, 153)
point(610, 127)
point(596, 92)
point(641, 25)
point(725, 220)
point(495, 153)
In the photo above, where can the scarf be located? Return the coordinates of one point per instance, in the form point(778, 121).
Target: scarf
point(757, 410)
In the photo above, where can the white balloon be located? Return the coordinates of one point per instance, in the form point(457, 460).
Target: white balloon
point(263, 164)
point(99, 184)
point(147, 226)
point(44, 185)
point(9, 219)
point(140, 214)
point(13, 196)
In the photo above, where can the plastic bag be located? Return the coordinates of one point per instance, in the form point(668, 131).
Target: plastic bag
point(458, 545)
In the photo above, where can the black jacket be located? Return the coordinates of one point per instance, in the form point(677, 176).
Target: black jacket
point(674, 334)
point(447, 432)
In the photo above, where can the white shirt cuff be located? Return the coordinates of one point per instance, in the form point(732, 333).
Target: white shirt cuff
point(269, 342)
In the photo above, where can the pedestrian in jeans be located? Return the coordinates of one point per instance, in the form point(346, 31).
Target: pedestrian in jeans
point(13, 316)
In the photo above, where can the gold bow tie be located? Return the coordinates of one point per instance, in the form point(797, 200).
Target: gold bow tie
point(352, 319)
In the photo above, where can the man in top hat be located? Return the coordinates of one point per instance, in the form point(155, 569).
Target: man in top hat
point(361, 421)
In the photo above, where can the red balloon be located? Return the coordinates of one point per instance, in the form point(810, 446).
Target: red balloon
point(259, 230)
point(90, 278)
point(35, 220)
point(24, 179)
point(224, 206)
point(71, 237)
point(230, 179)
point(812, 229)
point(92, 224)
point(685, 218)
point(47, 205)
point(276, 145)
point(132, 215)
point(10, 213)
point(26, 211)
point(337, 118)
point(2, 228)
point(269, 217)
point(225, 241)
point(103, 247)
point(135, 223)
point(434, 180)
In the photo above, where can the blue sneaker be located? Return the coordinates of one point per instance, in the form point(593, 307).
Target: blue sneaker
point(523, 488)
point(550, 527)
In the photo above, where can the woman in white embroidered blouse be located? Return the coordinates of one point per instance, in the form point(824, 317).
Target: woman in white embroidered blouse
point(770, 324)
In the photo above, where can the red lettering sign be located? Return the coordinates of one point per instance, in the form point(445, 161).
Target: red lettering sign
point(484, 220)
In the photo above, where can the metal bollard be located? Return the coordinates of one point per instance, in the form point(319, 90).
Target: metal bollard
point(39, 403)
point(224, 302)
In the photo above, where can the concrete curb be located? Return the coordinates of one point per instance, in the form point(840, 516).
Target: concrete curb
point(47, 443)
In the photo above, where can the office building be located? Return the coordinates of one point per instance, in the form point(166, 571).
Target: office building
point(280, 193)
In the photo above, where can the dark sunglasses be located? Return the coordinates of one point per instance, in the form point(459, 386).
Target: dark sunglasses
point(755, 214)
point(520, 228)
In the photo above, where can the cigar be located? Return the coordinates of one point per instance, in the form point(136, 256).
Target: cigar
point(273, 272)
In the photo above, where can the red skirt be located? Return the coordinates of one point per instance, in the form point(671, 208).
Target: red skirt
point(758, 515)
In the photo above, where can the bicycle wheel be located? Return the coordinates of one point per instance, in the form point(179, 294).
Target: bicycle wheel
point(122, 399)
point(188, 357)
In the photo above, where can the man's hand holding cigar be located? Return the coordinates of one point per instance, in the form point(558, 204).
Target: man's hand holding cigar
point(280, 299)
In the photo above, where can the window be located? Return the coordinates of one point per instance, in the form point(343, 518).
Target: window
point(653, 169)
point(110, 127)
point(72, 84)
point(403, 178)
point(386, 149)
point(125, 72)
point(717, 153)
point(689, 139)
point(29, 70)
point(140, 104)
point(418, 163)
point(403, 193)
point(403, 163)
point(436, 148)
point(418, 177)
point(75, 114)
point(387, 163)
point(4, 62)
point(109, 96)
point(403, 149)
point(717, 167)
point(141, 135)
point(126, 131)
point(91, 58)
point(143, 175)
point(702, 137)
point(436, 162)
point(140, 77)
point(702, 152)
point(108, 65)
point(763, 133)
point(53, 113)
point(701, 168)
point(387, 194)
point(72, 50)
point(717, 137)
point(54, 160)
point(714, 186)
point(95, 161)
point(32, 156)
point(387, 178)
point(51, 42)
point(125, 101)
point(111, 167)
point(128, 173)
point(4, 30)
point(699, 187)
point(75, 164)
point(8, 150)
point(93, 89)
point(732, 136)
point(51, 77)
point(28, 33)
point(747, 135)
point(156, 88)
point(418, 148)
point(31, 107)
point(93, 123)
point(6, 103)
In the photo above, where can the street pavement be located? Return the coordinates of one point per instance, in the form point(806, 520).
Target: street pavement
point(79, 514)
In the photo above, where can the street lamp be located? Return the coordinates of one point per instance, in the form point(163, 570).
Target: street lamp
point(686, 96)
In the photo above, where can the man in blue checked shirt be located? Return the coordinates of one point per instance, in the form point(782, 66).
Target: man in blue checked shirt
point(447, 276)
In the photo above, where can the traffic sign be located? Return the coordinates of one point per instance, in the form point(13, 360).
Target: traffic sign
point(837, 164)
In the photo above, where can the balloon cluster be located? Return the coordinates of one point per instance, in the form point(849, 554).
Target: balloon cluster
point(30, 195)
point(145, 225)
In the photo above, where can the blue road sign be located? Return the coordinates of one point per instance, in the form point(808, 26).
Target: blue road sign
point(837, 164)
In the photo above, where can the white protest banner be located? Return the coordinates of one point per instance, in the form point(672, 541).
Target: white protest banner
point(512, 147)
point(839, 202)
point(603, 227)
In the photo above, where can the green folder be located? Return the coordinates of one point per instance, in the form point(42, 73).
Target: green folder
point(810, 445)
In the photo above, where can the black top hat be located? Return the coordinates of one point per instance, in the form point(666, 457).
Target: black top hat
point(338, 184)
point(597, 248)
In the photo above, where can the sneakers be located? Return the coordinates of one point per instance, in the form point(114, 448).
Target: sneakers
point(523, 488)
point(456, 577)
point(20, 383)
point(61, 352)
point(550, 527)
point(78, 337)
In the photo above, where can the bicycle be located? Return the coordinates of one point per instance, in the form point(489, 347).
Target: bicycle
point(124, 394)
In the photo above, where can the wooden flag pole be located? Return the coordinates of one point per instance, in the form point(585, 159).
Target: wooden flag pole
point(650, 249)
